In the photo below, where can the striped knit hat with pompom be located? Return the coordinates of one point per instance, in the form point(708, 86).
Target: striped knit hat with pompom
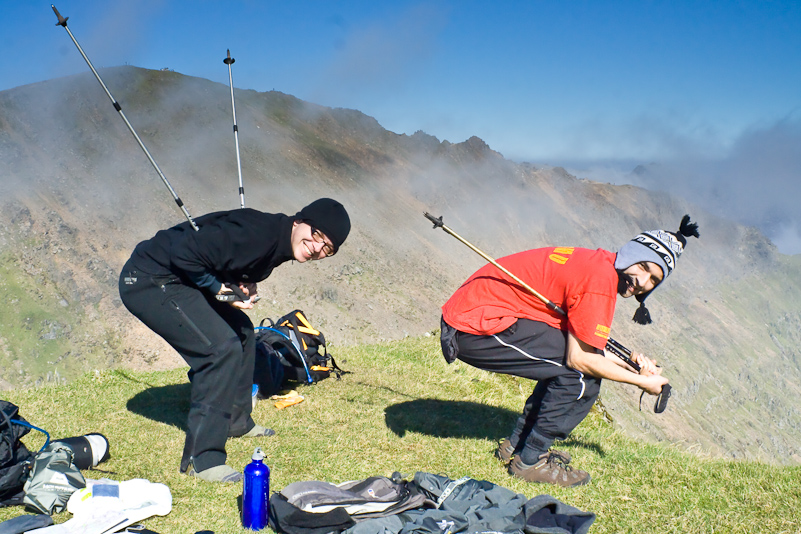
point(657, 246)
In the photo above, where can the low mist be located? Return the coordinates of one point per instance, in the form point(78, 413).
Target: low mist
point(756, 183)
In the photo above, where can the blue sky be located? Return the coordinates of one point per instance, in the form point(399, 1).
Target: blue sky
point(597, 86)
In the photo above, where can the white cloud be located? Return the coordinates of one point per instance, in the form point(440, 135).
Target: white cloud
point(756, 182)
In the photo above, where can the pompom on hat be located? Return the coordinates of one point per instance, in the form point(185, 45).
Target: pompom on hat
point(656, 246)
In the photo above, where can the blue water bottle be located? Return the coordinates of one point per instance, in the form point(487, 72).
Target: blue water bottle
point(256, 492)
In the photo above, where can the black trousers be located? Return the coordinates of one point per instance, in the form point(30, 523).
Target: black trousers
point(217, 341)
point(562, 397)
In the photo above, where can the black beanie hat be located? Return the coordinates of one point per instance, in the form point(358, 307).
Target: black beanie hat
point(328, 216)
point(657, 246)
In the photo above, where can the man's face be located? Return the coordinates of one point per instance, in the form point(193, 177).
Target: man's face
point(639, 278)
point(308, 243)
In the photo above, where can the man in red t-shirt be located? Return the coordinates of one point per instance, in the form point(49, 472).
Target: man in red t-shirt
point(495, 324)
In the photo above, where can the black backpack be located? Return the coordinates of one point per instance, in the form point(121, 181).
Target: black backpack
point(15, 458)
point(290, 350)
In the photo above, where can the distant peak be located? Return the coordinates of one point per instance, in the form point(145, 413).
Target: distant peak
point(477, 148)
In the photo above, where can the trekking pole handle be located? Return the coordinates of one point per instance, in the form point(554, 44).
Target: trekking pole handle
point(624, 354)
point(236, 295)
point(62, 21)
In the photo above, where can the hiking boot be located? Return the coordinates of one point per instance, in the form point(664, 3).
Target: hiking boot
point(219, 473)
point(505, 451)
point(550, 469)
point(564, 456)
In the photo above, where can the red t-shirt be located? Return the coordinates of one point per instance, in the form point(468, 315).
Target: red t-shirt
point(581, 281)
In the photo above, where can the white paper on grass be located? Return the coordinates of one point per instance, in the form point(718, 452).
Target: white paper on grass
point(138, 499)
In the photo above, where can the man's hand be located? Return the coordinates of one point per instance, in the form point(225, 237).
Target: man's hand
point(648, 366)
point(652, 384)
point(249, 290)
point(584, 358)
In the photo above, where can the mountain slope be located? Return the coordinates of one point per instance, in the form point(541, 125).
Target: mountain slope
point(78, 194)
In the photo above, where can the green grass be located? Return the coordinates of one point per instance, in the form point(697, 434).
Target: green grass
point(403, 409)
point(40, 341)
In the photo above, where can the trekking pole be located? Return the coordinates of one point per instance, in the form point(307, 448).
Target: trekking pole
point(612, 346)
point(230, 61)
point(62, 21)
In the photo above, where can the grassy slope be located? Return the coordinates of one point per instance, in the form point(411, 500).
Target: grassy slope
point(402, 408)
point(42, 337)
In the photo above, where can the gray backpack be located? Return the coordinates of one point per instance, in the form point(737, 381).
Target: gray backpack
point(53, 479)
point(317, 507)
point(361, 499)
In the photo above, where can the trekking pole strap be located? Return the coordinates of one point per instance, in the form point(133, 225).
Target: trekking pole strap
point(661, 399)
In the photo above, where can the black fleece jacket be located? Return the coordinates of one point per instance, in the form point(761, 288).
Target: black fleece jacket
point(243, 245)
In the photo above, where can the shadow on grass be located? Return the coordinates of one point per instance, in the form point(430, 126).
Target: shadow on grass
point(450, 419)
point(165, 404)
point(579, 443)
point(461, 419)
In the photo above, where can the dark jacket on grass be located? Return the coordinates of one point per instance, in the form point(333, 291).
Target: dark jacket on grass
point(450, 506)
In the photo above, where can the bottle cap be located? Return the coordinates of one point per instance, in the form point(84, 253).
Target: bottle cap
point(257, 454)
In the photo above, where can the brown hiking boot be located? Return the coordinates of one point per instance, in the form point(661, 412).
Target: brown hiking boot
point(505, 451)
point(564, 456)
point(550, 469)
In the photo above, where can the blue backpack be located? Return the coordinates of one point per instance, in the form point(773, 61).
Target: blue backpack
point(290, 350)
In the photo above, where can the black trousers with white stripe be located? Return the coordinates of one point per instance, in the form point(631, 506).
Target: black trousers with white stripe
point(562, 397)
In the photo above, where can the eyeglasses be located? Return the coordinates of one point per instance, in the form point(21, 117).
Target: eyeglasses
point(319, 237)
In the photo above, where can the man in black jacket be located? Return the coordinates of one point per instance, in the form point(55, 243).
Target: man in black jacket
point(179, 282)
